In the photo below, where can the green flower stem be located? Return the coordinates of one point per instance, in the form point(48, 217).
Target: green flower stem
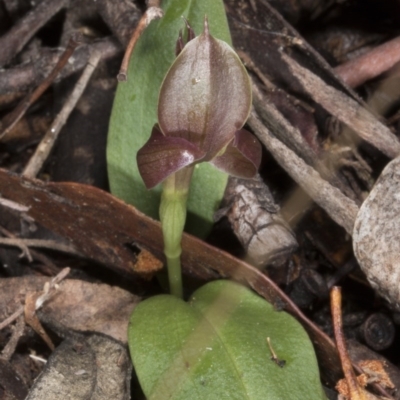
point(173, 217)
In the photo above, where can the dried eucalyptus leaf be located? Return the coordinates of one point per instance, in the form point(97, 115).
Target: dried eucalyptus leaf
point(376, 236)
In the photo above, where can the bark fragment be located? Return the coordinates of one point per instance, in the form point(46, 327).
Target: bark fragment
point(255, 219)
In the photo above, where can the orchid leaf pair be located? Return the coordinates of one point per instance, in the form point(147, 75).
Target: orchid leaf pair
point(204, 101)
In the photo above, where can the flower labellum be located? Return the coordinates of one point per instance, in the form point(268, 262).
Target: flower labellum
point(204, 101)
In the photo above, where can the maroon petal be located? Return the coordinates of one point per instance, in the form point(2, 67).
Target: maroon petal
point(161, 156)
point(242, 156)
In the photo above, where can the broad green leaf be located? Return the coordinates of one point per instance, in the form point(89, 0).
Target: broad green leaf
point(135, 112)
point(215, 347)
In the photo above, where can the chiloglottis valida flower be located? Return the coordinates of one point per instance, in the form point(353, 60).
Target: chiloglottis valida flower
point(204, 101)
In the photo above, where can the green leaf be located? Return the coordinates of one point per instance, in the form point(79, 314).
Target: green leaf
point(135, 112)
point(215, 347)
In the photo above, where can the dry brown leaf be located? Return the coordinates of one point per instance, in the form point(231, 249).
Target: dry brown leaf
point(78, 305)
point(32, 320)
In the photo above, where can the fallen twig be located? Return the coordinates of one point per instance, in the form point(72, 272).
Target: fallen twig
point(11, 119)
point(16, 38)
point(24, 245)
point(11, 318)
point(48, 291)
point(153, 12)
point(36, 358)
point(286, 132)
point(48, 268)
point(13, 205)
point(370, 65)
point(120, 16)
point(347, 110)
point(49, 286)
point(340, 208)
point(354, 390)
point(27, 76)
point(43, 150)
point(269, 85)
point(292, 138)
point(11, 345)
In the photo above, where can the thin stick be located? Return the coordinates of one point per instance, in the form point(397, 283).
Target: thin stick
point(292, 137)
point(47, 293)
point(355, 390)
point(347, 110)
point(270, 86)
point(49, 139)
point(13, 205)
point(341, 209)
point(48, 268)
point(49, 286)
point(370, 65)
point(10, 347)
point(36, 358)
point(120, 16)
point(19, 35)
point(274, 357)
point(29, 75)
point(11, 119)
point(12, 318)
point(153, 12)
point(23, 244)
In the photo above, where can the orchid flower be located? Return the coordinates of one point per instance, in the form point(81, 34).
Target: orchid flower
point(204, 101)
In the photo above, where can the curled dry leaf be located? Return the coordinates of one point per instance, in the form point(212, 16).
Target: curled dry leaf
point(376, 235)
point(32, 319)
